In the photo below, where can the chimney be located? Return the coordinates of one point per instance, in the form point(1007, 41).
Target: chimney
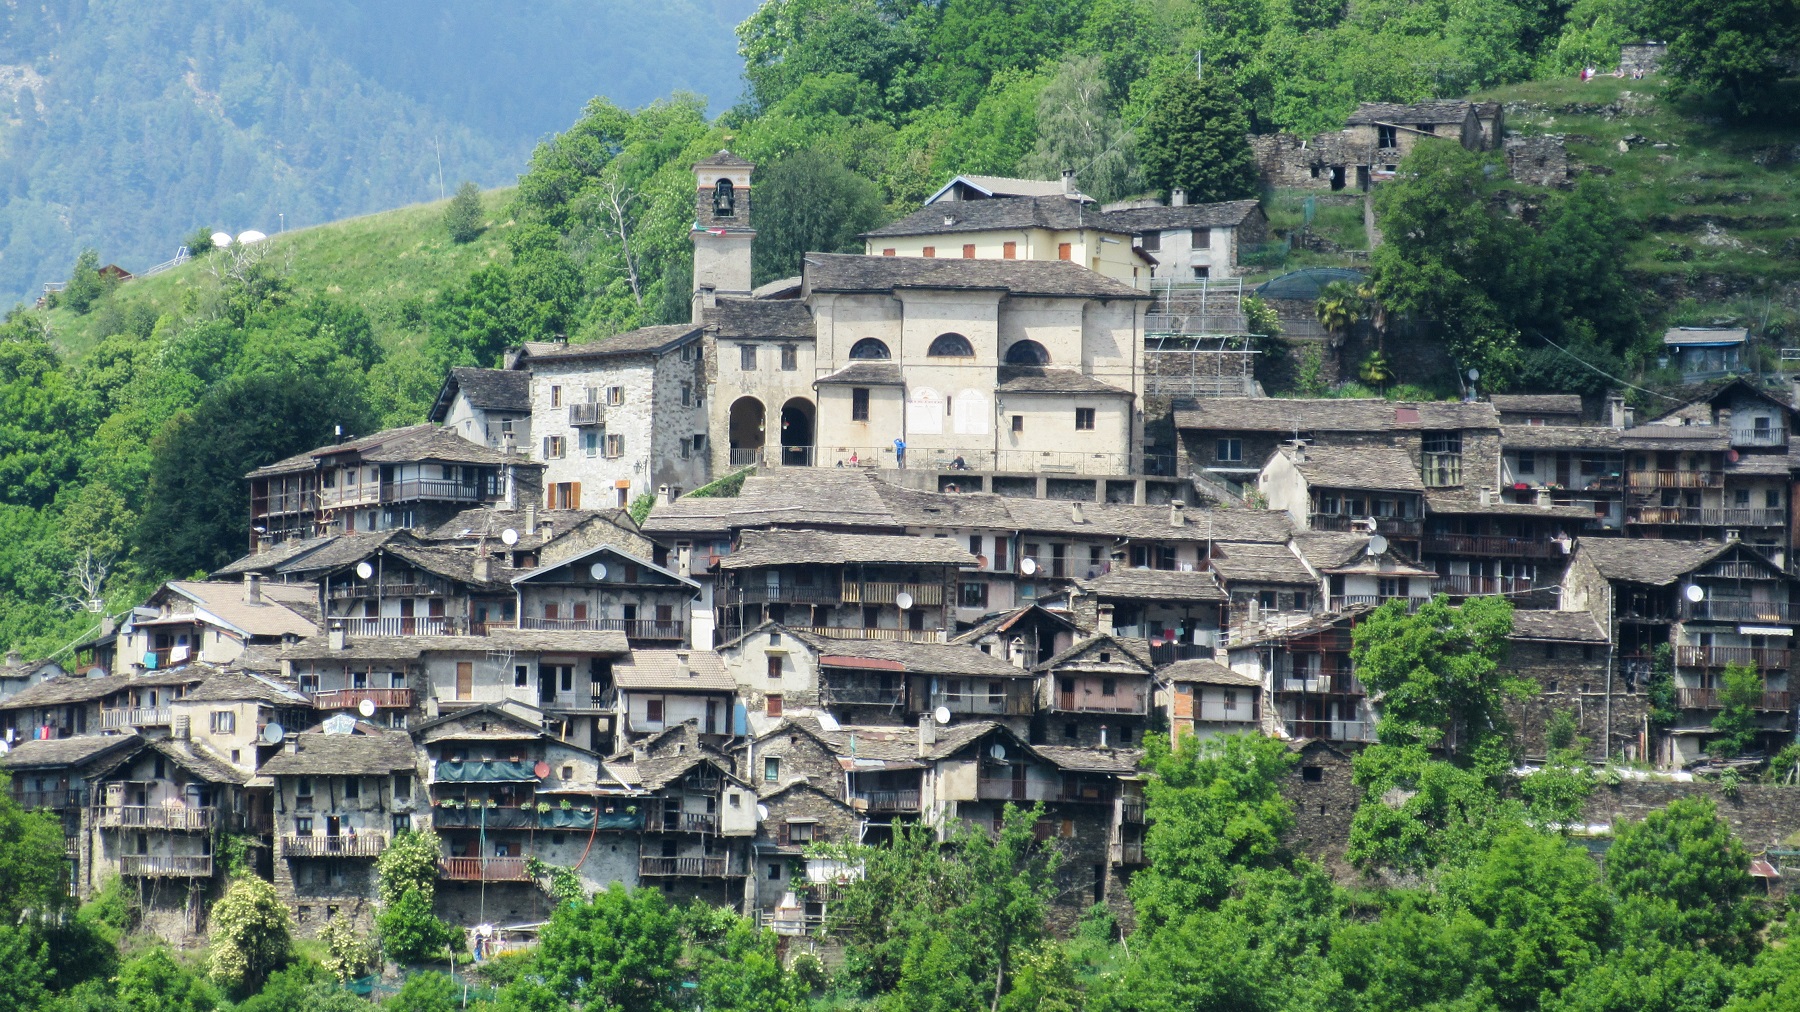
point(1015, 652)
point(1487, 498)
point(335, 638)
point(682, 668)
point(1177, 197)
point(1177, 518)
point(1068, 182)
point(108, 626)
point(709, 297)
point(927, 734)
point(1075, 514)
point(686, 555)
point(1794, 381)
point(1103, 618)
point(1615, 411)
point(483, 569)
point(183, 726)
point(663, 497)
point(337, 432)
point(1103, 743)
point(1724, 420)
point(512, 477)
point(14, 658)
point(252, 588)
point(530, 519)
point(1543, 499)
point(1731, 535)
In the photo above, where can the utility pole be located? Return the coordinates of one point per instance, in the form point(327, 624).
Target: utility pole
point(440, 160)
point(1199, 64)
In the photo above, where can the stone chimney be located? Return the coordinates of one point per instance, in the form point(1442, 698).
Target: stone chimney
point(291, 744)
point(1178, 197)
point(14, 658)
point(334, 639)
point(1177, 514)
point(1068, 180)
point(1075, 514)
point(663, 496)
point(483, 568)
point(253, 588)
point(927, 734)
point(1015, 652)
point(1103, 619)
point(1732, 535)
point(1543, 499)
point(530, 519)
point(1615, 412)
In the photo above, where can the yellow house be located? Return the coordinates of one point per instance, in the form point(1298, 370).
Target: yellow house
point(1058, 227)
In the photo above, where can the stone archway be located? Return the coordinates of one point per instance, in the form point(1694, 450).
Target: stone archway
point(797, 432)
point(747, 423)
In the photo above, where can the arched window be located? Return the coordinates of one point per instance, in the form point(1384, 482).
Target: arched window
point(1027, 353)
point(951, 346)
point(724, 199)
point(869, 347)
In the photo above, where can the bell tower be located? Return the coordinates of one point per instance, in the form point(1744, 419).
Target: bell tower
point(722, 234)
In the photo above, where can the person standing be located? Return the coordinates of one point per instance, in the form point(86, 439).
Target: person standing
point(900, 453)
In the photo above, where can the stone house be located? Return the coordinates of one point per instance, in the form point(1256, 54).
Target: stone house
point(1204, 698)
point(788, 888)
point(1193, 242)
point(1566, 465)
point(1096, 694)
point(1537, 409)
point(71, 705)
point(1268, 586)
point(54, 775)
point(17, 674)
point(230, 712)
point(1179, 613)
point(1023, 635)
point(1481, 544)
point(969, 186)
point(1374, 140)
point(1358, 569)
point(1325, 799)
point(214, 621)
point(400, 586)
point(1308, 678)
point(342, 791)
point(604, 588)
point(1567, 655)
point(1374, 489)
point(660, 689)
point(542, 537)
point(701, 815)
point(488, 406)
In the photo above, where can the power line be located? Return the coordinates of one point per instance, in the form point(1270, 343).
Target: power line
point(1585, 364)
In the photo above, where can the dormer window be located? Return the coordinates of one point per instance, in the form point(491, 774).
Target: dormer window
point(724, 199)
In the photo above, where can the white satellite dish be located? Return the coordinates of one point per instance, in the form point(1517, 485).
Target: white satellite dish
point(221, 239)
point(941, 715)
point(364, 570)
point(273, 734)
point(597, 570)
point(509, 537)
point(1377, 544)
point(366, 707)
point(1474, 374)
point(904, 600)
point(1695, 593)
point(1028, 566)
point(762, 811)
point(998, 751)
point(249, 236)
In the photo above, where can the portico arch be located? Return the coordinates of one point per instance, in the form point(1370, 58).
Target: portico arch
point(747, 424)
point(797, 430)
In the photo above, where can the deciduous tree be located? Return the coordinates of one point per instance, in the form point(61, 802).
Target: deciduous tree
point(462, 218)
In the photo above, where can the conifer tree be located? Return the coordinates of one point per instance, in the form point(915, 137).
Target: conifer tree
point(1195, 138)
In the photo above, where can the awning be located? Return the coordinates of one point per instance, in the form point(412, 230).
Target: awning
point(1764, 630)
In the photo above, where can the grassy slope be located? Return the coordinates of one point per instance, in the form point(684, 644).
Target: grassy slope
point(379, 261)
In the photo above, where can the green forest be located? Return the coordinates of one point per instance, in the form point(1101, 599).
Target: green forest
point(1470, 888)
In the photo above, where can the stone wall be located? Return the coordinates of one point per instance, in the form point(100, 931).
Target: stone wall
point(1762, 815)
point(1644, 56)
point(1572, 677)
point(1324, 799)
point(1538, 160)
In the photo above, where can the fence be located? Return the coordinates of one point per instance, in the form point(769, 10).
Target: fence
point(166, 866)
point(349, 699)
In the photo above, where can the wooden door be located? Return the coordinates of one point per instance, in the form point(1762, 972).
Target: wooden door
point(465, 679)
point(1018, 782)
point(1065, 695)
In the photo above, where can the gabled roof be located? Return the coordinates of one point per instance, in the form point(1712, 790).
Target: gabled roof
point(1284, 415)
point(761, 318)
point(787, 548)
point(369, 751)
point(1154, 585)
point(913, 658)
point(498, 710)
point(1005, 186)
point(1723, 390)
point(1466, 501)
point(1055, 212)
point(195, 758)
point(672, 671)
point(66, 752)
point(1223, 214)
point(1300, 630)
point(723, 159)
point(484, 389)
point(1240, 563)
point(541, 573)
point(1545, 404)
point(1705, 337)
point(270, 559)
point(643, 341)
point(286, 609)
point(1559, 437)
point(1657, 563)
point(1364, 468)
point(1347, 552)
point(864, 374)
point(845, 272)
point(1557, 626)
point(1122, 651)
point(1035, 379)
point(408, 444)
point(1415, 114)
point(65, 689)
point(1006, 621)
point(238, 686)
point(1117, 761)
point(1206, 672)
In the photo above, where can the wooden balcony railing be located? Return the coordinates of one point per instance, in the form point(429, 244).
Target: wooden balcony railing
point(1708, 699)
point(425, 488)
point(1493, 545)
point(904, 635)
point(888, 593)
point(1339, 602)
point(182, 819)
point(135, 716)
point(860, 695)
point(587, 414)
point(1123, 702)
point(166, 865)
point(1707, 516)
point(1772, 436)
point(1461, 585)
point(73, 798)
point(787, 593)
point(1674, 479)
point(969, 702)
point(711, 867)
point(350, 699)
point(360, 845)
point(1131, 852)
point(889, 801)
point(1131, 812)
point(483, 869)
point(1393, 526)
point(364, 493)
point(358, 591)
point(1740, 611)
point(393, 625)
point(686, 822)
point(633, 628)
point(1761, 658)
point(1332, 730)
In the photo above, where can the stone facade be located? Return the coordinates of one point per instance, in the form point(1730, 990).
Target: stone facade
point(1646, 57)
point(1538, 160)
point(1325, 800)
point(1573, 677)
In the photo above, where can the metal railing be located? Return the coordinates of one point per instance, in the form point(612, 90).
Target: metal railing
point(745, 456)
point(392, 625)
point(796, 456)
point(969, 702)
point(360, 845)
point(587, 414)
point(357, 591)
point(1726, 610)
point(1674, 479)
point(889, 801)
point(1332, 730)
point(1492, 545)
point(166, 865)
point(1774, 436)
point(854, 633)
point(186, 819)
point(860, 695)
point(1463, 585)
point(349, 699)
point(1708, 699)
point(1707, 516)
point(135, 716)
point(1763, 658)
point(483, 869)
point(713, 867)
point(888, 593)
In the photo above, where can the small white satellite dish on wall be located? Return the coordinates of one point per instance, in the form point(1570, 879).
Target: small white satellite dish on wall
point(273, 734)
point(366, 708)
point(904, 600)
point(222, 239)
point(509, 537)
point(250, 235)
point(762, 811)
point(1028, 566)
point(364, 570)
point(597, 570)
point(941, 715)
point(1695, 593)
point(1377, 544)
point(998, 751)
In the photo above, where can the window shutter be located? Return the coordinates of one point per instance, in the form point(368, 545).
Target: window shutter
point(575, 495)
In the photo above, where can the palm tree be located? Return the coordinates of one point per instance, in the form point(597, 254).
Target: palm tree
point(1340, 307)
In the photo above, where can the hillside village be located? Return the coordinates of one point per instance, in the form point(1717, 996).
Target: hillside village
point(952, 523)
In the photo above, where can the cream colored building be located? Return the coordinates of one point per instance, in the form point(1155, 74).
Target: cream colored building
point(1060, 227)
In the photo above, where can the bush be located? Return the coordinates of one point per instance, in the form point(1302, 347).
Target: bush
point(249, 928)
point(462, 219)
point(410, 932)
point(199, 242)
point(85, 286)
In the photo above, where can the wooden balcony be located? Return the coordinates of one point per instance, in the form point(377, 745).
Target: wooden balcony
point(1135, 702)
point(1460, 585)
point(787, 593)
point(633, 628)
point(394, 625)
point(350, 699)
point(358, 591)
point(1708, 699)
point(170, 817)
point(1772, 436)
point(1392, 526)
point(1493, 546)
point(1131, 812)
point(855, 633)
point(663, 867)
point(861, 695)
point(889, 593)
point(483, 869)
point(55, 800)
point(587, 414)
point(889, 801)
point(1674, 479)
point(1332, 730)
point(1706, 516)
point(135, 716)
point(1339, 602)
point(685, 822)
point(1761, 658)
point(360, 845)
point(166, 865)
point(443, 491)
point(1721, 610)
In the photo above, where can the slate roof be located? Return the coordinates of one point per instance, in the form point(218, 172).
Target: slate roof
point(76, 751)
point(199, 760)
point(471, 524)
point(1134, 650)
point(1462, 501)
point(287, 609)
point(1344, 551)
point(1657, 563)
point(1691, 438)
point(64, 689)
point(1367, 468)
point(237, 686)
point(485, 390)
point(1261, 564)
point(1557, 626)
point(1000, 187)
point(787, 548)
point(722, 159)
point(1206, 672)
point(643, 341)
point(373, 752)
point(1033, 379)
point(274, 556)
point(1417, 113)
point(1223, 214)
point(914, 658)
point(1005, 620)
point(395, 446)
point(865, 374)
point(1559, 437)
point(1054, 211)
point(1527, 404)
point(1283, 415)
point(1301, 630)
point(673, 670)
point(1090, 760)
point(750, 318)
point(844, 272)
point(1155, 585)
point(1679, 336)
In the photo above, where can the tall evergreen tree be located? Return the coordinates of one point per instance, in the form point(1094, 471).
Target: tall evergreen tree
point(1196, 138)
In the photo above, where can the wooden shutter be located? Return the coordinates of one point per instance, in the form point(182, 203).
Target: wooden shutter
point(1065, 251)
point(574, 495)
point(465, 679)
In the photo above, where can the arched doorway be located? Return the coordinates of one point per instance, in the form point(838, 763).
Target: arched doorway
point(746, 430)
point(797, 433)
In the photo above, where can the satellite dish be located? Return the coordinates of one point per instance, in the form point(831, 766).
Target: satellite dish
point(364, 570)
point(904, 600)
point(1732, 456)
point(1028, 566)
point(366, 707)
point(597, 570)
point(1474, 374)
point(509, 537)
point(273, 734)
point(1695, 593)
point(998, 751)
point(221, 239)
point(1377, 544)
point(941, 715)
point(762, 812)
point(541, 769)
point(250, 235)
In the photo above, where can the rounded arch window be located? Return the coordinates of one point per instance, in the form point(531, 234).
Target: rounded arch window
point(870, 347)
point(1027, 353)
point(951, 346)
